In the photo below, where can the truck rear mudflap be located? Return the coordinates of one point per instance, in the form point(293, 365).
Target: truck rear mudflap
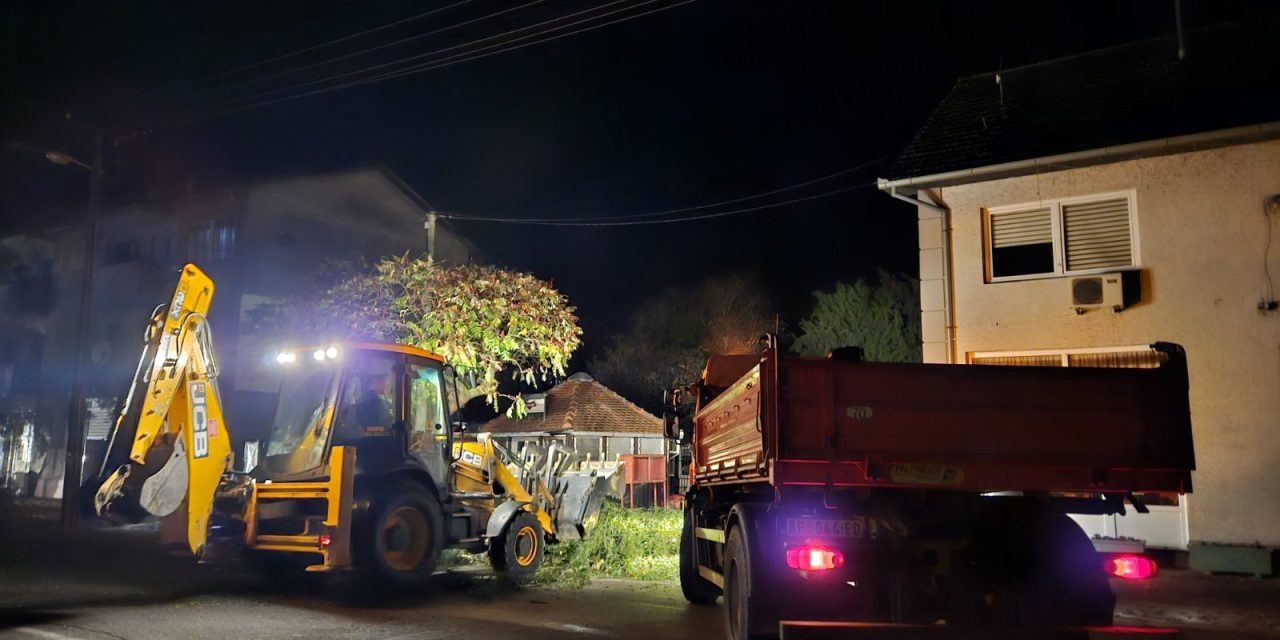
point(813, 630)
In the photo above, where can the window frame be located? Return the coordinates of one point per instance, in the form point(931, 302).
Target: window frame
point(1058, 230)
point(1063, 354)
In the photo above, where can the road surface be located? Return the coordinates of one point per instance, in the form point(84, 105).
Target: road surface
point(462, 606)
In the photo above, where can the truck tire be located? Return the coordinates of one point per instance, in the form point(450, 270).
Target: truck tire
point(1065, 584)
point(517, 552)
point(696, 590)
point(744, 615)
point(405, 536)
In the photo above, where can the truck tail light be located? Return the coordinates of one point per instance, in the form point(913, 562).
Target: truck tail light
point(814, 557)
point(1131, 567)
point(325, 540)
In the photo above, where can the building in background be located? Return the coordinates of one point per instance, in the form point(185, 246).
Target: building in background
point(260, 242)
point(1073, 211)
point(607, 431)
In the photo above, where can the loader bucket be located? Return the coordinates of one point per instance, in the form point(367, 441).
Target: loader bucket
point(581, 498)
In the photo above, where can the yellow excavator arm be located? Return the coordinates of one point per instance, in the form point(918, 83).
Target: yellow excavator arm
point(170, 446)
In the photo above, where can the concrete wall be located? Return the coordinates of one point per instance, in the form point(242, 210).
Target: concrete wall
point(1201, 240)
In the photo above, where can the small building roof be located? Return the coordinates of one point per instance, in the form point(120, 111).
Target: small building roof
point(582, 405)
point(1121, 95)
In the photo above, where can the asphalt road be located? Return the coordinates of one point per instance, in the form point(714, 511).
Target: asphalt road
point(463, 606)
point(112, 585)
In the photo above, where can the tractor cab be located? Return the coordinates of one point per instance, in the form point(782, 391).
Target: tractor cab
point(386, 401)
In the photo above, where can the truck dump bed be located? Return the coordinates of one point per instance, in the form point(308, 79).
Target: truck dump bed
point(813, 421)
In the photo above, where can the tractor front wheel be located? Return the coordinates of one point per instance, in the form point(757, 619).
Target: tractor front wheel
point(517, 552)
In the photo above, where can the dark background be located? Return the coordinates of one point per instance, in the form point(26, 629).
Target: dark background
point(706, 101)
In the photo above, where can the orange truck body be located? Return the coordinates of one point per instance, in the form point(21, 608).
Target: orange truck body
point(797, 421)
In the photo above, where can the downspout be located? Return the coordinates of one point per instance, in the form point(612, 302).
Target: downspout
point(935, 204)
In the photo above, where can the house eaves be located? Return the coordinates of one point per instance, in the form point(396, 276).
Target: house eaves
point(1165, 146)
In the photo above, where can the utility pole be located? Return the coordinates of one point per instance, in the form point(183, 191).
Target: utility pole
point(71, 479)
point(430, 226)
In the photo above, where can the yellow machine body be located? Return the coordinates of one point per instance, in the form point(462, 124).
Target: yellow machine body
point(170, 454)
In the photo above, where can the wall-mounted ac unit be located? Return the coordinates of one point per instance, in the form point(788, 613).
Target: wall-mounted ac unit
point(1103, 291)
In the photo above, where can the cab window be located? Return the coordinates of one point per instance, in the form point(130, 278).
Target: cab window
point(368, 397)
point(426, 420)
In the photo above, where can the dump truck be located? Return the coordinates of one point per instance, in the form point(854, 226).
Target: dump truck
point(836, 497)
point(364, 467)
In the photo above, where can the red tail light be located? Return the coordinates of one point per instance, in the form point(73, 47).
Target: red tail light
point(325, 540)
point(1131, 567)
point(814, 557)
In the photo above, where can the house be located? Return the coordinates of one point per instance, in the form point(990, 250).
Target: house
point(260, 241)
point(1074, 210)
point(600, 426)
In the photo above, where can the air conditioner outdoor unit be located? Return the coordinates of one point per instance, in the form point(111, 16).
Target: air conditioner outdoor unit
point(1103, 291)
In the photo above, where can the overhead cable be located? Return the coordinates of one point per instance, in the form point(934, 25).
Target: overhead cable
point(330, 43)
point(446, 62)
point(463, 45)
point(667, 220)
point(353, 54)
point(709, 205)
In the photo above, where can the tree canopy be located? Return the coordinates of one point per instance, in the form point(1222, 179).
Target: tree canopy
point(669, 337)
point(481, 319)
point(881, 317)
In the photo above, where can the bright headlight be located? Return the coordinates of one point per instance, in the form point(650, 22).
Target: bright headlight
point(286, 357)
point(331, 352)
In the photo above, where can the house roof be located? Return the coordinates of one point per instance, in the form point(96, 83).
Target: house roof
point(581, 405)
point(1117, 96)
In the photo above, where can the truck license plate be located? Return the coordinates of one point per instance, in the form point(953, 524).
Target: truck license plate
point(852, 528)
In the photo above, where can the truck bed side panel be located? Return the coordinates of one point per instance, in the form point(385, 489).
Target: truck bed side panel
point(729, 442)
point(970, 426)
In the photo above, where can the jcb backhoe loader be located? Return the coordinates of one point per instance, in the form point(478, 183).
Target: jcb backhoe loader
point(363, 466)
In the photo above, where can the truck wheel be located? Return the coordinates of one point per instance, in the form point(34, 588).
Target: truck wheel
point(696, 590)
point(517, 552)
point(742, 604)
point(1065, 584)
point(406, 535)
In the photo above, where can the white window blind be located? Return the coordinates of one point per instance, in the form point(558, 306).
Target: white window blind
point(1066, 236)
point(1115, 357)
point(1097, 234)
point(1020, 228)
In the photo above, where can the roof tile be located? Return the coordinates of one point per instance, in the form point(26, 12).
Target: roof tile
point(1120, 95)
point(581, 405)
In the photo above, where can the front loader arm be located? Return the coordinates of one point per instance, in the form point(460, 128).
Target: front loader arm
point(170, 446)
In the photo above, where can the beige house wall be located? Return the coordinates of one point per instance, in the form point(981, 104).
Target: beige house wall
point(1202, 228)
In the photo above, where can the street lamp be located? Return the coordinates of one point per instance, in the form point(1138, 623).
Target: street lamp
point(75, 428)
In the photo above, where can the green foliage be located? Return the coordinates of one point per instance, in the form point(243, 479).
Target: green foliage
point(882, 318)
point(479, 318)
point(669, 338)
point(640, 544)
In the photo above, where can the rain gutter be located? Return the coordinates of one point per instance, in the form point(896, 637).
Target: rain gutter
point(1090, 157)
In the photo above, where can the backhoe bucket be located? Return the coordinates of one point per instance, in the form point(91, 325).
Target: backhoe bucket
point(580, 501)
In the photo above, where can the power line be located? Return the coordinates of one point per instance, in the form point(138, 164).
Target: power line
point(631, 223)
point(709, 205)
point(449, 61)
point(353, 54)
point(464, 45)
point(330, 43)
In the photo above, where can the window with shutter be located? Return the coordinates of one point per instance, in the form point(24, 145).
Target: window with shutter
point(1091, 234)
point(1022, 242)
point(1136, 357)
point(1097, 234)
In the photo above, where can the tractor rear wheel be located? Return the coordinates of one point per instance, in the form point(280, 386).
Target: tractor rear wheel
point(405, 536)
point(517, 552)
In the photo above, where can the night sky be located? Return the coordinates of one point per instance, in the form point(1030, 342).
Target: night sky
point(707, 101)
